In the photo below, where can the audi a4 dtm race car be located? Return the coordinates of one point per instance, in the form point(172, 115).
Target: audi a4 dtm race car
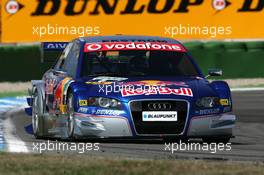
point(129, 87)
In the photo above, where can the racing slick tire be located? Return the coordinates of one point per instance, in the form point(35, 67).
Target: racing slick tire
point(70, 123)
point(37, 120)
point(216, 139)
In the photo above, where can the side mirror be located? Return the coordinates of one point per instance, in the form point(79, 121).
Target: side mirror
point(214, 72)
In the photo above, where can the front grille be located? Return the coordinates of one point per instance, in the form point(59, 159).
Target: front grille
point(160, 127)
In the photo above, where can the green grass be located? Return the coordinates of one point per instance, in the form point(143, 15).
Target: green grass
point(84, 164)
point(13, 94)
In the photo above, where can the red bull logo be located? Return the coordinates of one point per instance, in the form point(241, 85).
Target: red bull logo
point(155, 83)
point(158, 90)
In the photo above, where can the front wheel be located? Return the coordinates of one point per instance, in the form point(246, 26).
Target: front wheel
point(70, 123)
point(36, 117)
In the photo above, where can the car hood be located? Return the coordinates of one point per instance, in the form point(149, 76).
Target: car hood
point(138, 87)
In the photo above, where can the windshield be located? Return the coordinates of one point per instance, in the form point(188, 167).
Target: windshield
point(137, 63)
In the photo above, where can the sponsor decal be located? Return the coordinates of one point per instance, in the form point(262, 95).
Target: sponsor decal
point(156, 116)
point(83, 110)
point(125, 92)
point(108, 112)
point(83, 102)
point(104, 80)
point(116, 87)
point(54, 45)
point(99, 83)
point(93, 47)
point(155, 83)
point(107, 79)
point(110, 7)
point(148, 83)
point(94, 111)
point(224, 102)
point(207, 111)
point(222, 124)
point(132, 7)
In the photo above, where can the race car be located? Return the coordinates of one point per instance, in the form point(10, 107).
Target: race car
point(129, 87)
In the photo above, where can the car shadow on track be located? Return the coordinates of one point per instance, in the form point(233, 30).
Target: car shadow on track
point(135, 141)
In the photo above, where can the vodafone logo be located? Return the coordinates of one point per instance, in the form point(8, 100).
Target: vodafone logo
point(219, 4)
point(92, 47)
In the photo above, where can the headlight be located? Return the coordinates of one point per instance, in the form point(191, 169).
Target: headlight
point(104, 102)
point(207, 102)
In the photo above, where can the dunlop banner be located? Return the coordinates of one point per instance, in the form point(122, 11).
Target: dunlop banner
point(63, 20)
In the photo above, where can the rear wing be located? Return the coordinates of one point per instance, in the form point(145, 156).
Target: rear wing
point(50, 51)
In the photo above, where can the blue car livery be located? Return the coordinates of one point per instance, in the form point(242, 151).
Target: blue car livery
point(129, 87)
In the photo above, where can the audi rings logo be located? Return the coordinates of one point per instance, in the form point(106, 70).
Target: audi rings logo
point(158, 106)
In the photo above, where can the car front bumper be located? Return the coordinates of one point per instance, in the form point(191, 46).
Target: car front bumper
point(211, 125)
point(118, 126)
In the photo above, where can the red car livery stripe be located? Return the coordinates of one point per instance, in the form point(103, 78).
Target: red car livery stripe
point(112, 46)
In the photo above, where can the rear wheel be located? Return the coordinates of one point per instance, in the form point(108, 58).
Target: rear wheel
point(70, 123)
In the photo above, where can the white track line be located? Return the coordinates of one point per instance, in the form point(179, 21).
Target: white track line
point(246, 89)
point(11, 102)
point(14, 143)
